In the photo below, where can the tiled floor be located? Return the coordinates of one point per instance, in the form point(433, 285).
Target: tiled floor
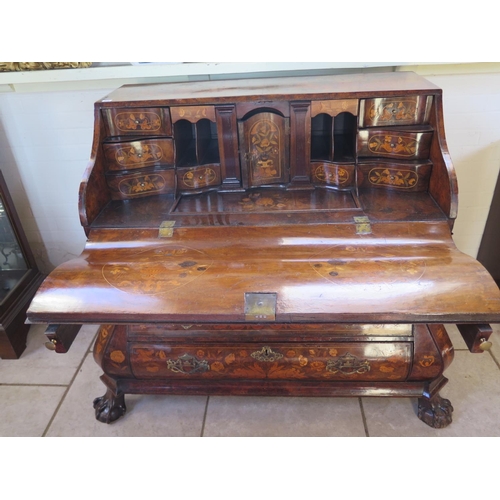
point(49, 394)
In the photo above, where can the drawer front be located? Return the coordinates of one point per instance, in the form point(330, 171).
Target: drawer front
point(392, 175)
point(394, 144)
point(413, 110)
point(338, 361)
point(137, 185)
point(137, 121)
point(139, 154)
point(189, 179)
point(336, 175)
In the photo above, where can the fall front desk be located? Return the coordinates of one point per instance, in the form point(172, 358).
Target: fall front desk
point(285, 237)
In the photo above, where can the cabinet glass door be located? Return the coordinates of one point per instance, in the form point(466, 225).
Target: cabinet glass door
point(13, 265)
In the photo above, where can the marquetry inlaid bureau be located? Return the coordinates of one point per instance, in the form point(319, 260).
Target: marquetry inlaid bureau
point(285, 237)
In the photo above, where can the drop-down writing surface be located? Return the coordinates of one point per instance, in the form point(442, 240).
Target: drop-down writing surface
point(399, 272)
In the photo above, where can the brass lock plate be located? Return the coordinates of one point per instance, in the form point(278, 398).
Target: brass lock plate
point(260, 306)
point(166, 229)
point(363, 225)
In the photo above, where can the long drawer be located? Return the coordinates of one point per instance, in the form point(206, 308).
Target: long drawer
point(357, 361)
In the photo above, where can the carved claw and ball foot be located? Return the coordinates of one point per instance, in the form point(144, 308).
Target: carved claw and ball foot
point(435, 412)
point(110, 407)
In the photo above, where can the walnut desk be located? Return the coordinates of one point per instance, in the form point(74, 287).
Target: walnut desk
point(286, 237)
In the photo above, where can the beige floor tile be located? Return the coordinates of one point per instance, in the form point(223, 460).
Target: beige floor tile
point(25, 411)
point(456, 337)
point(146, 415)
point(495, 340)
point(270, 416)
point(38, 365)
point(474, 392)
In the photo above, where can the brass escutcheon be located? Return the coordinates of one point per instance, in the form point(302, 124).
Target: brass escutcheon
point(188, 364)
point(347, 364)
point(266, 354)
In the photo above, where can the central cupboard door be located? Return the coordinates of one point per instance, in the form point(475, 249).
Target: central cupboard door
point(264, 143)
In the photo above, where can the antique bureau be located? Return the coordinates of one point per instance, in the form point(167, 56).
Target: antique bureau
point(285, 237)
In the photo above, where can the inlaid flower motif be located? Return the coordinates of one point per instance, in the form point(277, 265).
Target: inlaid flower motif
point(143, 184)
point(265, 202)
point(217, 366)
point(117, 356)
point(391, 177)
point(386, 369)
point(230, 358)
point(317, 365)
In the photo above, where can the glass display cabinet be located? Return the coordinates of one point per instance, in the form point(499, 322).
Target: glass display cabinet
point(19, 278)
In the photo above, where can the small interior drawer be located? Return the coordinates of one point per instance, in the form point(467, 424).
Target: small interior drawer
point(403, 144)
point(192, 179)
point(410, 110)
point(137, 121)
point(139, 154)
point(137, 185)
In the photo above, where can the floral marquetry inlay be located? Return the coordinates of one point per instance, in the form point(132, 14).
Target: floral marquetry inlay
point(158, 270)
point(395, 145)
point(395, 178)
point(145, 121)
point(199, 177)
point(331, 174)
point(264, 150)
point(398, 111)
point(142, 184)
point(193, 113)
point(282, 361)
point(127, 156)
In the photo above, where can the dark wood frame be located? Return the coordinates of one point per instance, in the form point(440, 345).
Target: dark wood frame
point(13, 327)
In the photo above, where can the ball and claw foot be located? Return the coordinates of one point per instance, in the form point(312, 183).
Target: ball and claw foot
point(110, 407)
point(435, 412)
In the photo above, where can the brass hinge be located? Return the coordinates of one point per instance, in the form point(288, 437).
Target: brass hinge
point(363, 225)
point(166, 229)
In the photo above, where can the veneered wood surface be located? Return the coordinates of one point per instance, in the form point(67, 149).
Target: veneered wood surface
point(400, 272)
point(310, 87)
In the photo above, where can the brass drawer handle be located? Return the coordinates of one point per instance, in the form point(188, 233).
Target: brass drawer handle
point(266, 354)
point(348, 364)
point(188, 364)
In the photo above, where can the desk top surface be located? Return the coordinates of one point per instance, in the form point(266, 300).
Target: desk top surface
point(221, 91)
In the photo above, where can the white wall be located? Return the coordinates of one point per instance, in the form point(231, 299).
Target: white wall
point(46, 137)
point(472, 121)
point(45, 144)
